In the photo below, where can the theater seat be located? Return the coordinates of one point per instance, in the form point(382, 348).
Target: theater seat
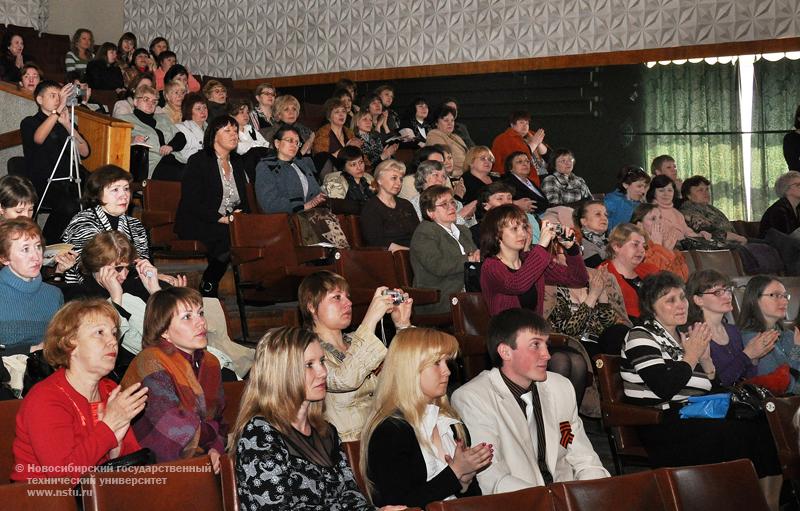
point(161, 200)
point(230, 497)
point(639, 491)
point(530, 499)
point(33, 497)
point(729, 485)
point(723, 261)
point(470, 327)
point(233, 396)
point(780, 413)
point(185, 484)
point(619, 417)
point(8, 417)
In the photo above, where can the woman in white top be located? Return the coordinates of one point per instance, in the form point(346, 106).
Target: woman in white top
point(193, 127)
point(252, 144)
point(413, 446)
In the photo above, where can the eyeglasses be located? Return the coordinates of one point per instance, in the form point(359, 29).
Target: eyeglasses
point(147, 100)
point(218, 90)
point(486, 158)
point(522, 161)
point(778, 296)
point(565, 160)
point(728, 290)
point(447, 204)
point(120, 268)
point(292, 141)
point(268, 93)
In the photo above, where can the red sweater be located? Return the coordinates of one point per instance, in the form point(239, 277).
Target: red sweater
point(55, 429)
point(501, 287)
point(629, 293)
point(506, 143)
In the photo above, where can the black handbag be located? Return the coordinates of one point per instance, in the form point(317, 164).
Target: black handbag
point(36, 370)
point(747, 401)
point(135, 459)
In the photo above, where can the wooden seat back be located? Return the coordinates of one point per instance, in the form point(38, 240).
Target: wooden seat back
point(37, 497)
point(724, 261)
point(227, 475)
point(539, 498)
point(233, 391)
point(470, 327)
point(639, 491)
point(780, 415)
point(729, 485)
point(8, 427)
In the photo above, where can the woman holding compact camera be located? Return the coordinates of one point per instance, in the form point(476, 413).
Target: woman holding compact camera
point(353, 359)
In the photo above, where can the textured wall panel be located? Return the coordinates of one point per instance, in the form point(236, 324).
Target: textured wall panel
point(24, 13)
point(249, 39)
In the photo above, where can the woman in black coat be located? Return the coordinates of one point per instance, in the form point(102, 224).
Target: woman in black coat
point(212, 190)
point(103, 73)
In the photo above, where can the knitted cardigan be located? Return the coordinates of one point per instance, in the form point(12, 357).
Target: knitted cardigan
point(28, 306)
point(179, 405)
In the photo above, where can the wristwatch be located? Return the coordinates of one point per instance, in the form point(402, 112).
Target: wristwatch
point(230, 219)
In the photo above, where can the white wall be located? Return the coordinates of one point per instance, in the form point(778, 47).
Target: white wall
point(103, 17)
point(259, 38)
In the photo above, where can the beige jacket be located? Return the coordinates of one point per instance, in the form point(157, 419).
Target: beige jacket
point(352, 381)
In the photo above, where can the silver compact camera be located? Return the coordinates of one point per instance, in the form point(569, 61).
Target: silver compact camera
point(561, 233)
point(397, 296)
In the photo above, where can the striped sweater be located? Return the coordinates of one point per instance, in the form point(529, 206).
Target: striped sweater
point(653, 371)
point(86, 224)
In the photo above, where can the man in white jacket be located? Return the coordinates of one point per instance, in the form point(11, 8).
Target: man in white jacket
point(528, 414)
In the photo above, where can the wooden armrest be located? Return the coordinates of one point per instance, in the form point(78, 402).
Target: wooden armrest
point(307, 254)
point(242, 255)
point(623, 414)
point(423, 295)
point(157, 218)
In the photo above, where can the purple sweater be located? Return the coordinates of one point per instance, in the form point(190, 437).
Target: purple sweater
point(501, 287)
point(730, 360)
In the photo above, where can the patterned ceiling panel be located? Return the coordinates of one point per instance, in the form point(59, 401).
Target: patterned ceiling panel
point(248, 38)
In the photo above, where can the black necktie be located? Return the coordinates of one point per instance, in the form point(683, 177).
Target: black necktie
point(536, 410)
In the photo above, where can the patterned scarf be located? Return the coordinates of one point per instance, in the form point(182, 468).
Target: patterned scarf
point(599, 240)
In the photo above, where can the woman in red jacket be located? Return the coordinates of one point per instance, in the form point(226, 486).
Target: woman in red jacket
point(77, 418)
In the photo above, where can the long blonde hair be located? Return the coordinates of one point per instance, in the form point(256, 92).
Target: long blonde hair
point(399, 394)
point(276, 387)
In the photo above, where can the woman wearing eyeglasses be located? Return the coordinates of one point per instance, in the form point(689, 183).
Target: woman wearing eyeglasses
point(563, 187)
point(442, 134)
point(440, 247)
point(764, 307)
point(710, 299)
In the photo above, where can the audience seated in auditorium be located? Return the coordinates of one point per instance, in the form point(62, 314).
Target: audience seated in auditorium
point(387, 220)
point(13, 59)
point(217, 95)
point(661, 368)
point(30, 76)
point(43, 137)
point(519, 137)
point(632, 184)
point(157, 46)
point(440, 247)
point(287, 111)
point(661, 193)
point(332, 137)
point(103, 72)
point(183, 417)
point(444, 120)
point(212, 192)
point(28, 303)
point(285, 181)
point(125, 106)
point(477, 174)
point(626, 249)
point(157, 131)
point(665, 165)
point(106, 198)
point(81, 51)
point(195, 116)
point(517, 171)
point(174, 93)
point(501, 406)
point(126, 45)
point(492, 196)
point(563, 187)
point(791, 144)
point(252, 146)
point(352, 88)
point(592, 220)
point(433, 153)
point(430, 173)
point(263, 115)
point(165, 62)
point(386, 94)
point(372, 146)
point(710, 295)
point(286, 455)
point(764, 306)
point(353, 359)
point(372, 103)
point(344, 96)
point(460, 128)
point(141, 63)
point(17, 197)
point(417, 121)
point(350, 181)
point(77, 417)
point(412, 413)
point(783, 215)
point(660, 241)
point(700, 215)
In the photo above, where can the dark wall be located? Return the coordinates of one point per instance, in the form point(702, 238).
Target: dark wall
point(588, 110)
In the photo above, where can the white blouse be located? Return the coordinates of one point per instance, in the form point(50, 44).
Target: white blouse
point(433, 463)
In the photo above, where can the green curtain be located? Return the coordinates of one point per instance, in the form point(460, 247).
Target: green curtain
point(776, 95)
point(697, 98)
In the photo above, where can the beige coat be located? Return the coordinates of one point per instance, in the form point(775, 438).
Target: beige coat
point(457, 147)
point(352, 382)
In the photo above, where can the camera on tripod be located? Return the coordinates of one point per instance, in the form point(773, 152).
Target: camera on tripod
point(76, 96)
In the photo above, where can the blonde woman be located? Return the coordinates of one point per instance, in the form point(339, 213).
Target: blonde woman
point(388, 221)
point(413, 448)
point(286, 455)
point(286, 110)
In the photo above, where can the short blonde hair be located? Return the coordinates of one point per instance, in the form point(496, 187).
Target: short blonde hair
point(620, 235)
point(209, 86)
point(61, 333)
point(283, 102)
point(399, 393)
point(473, 154)
point(145, 89)
point(276, 387)
point(174, 84)
point(784, 181)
